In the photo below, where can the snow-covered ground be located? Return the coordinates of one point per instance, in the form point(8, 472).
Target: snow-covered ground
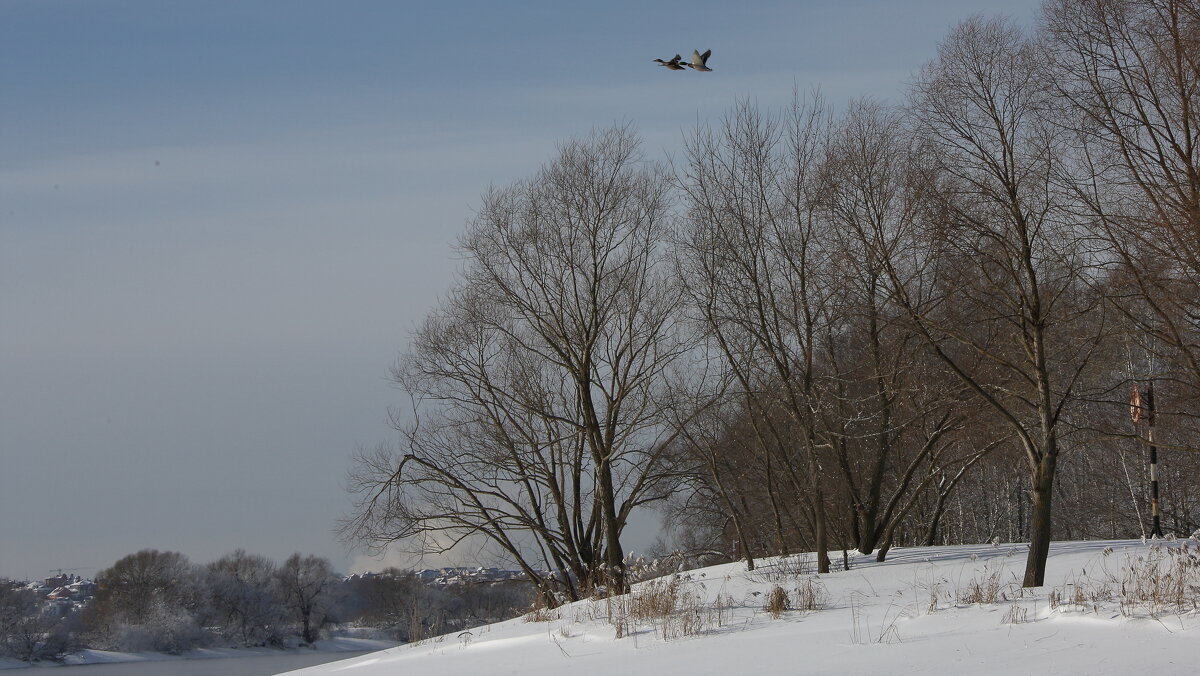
point(918, 613)
point(337, 645)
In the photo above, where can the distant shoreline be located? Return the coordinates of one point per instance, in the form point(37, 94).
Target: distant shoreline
point(90, 658)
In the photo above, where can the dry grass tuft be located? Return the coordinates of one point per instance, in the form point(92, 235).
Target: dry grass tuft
point(987, 589)
point(1167, 579)
point(811, 596)
point(672, 607)
point(783, 569)
point(1016, 615)
point(541, 611)
point(542, 615)
point(654, 599)
point(778, 602)
point(1164, 580)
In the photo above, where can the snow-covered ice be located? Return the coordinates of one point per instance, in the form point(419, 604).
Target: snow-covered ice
point(340, 644)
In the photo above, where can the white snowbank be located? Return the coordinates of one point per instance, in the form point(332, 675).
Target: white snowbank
point(909, 615)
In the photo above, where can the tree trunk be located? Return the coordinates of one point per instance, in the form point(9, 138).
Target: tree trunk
point(781, 547)
point(1039, 530)
point(739, 528)
point(871, 528)
point(931, 533)
point(747, 550)
point(819, 527)
point(307, 630)
point(614, 555)
point(884, 548)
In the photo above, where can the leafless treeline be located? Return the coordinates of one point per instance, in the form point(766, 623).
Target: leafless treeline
point(156, 601)
point(888, 325)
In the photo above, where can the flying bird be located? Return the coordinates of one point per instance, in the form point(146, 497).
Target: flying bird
point(699, 61)
point(673, 64)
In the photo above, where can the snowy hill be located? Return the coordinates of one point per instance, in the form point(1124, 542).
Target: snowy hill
point(1118, 607)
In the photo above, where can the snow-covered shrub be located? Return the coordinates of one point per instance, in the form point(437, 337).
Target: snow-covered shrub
point(147, 601)
point(165, 628)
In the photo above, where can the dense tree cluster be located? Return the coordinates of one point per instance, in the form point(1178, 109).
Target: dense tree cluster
point(406, 608)
point(830, 329)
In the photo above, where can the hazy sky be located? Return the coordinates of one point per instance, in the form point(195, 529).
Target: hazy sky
point(220, 220)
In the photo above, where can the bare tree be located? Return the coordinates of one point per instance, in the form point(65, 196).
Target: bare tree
point(1130, 71)
point(752, 254)
point(721, 482)
point(891, 431)
point(241, 598)
point(1015, 318)
point(540, 385)
point(305, 585)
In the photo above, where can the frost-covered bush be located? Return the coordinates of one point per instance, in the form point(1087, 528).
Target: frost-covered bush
point(165, 628)
point(147, 601)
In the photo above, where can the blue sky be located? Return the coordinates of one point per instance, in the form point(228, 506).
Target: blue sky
point(219, 221)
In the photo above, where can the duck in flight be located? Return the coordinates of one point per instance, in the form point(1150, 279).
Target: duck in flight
point(700, 61)
point(673, 64)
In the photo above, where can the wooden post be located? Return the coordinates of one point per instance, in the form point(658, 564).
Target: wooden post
point(1156, 522)
point(1138, 410)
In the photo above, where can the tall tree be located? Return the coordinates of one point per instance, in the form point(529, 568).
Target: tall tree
point(1015, 319)
point(242, 599)
point(306, 585)
point(890, 433)
point(541, 383)
point(1130, 72)
point(753, 250)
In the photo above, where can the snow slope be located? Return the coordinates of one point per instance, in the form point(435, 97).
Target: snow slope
point(912, 614)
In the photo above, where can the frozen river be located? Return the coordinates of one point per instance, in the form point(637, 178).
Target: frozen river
point(220, 666)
